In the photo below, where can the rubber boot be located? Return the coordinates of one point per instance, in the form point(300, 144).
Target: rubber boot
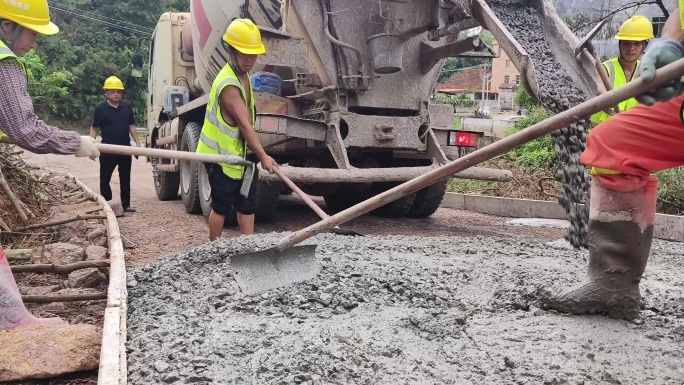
point(13, 313)
point(620, 233)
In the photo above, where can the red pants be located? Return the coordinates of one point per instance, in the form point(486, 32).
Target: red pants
point(637, 142)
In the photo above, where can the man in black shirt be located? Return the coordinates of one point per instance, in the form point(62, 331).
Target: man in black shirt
point(114, 118)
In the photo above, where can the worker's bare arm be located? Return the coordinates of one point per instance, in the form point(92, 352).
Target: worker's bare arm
point(235, 112)
point(673, 27)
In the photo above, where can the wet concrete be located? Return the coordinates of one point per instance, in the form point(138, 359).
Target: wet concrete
point(388, 310)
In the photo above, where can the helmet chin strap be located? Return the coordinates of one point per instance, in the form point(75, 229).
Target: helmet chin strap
point(17, 32)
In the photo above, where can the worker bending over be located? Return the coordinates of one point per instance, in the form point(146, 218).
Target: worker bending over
point(20, 24)
point(621, 154)
point(229, 128)
point(632, 38)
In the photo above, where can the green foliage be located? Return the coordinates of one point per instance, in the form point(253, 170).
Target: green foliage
point(671, 191)
point(539, 152)
point(467, 186)
point(457, 122)
point(523, 99)
point(49, 91)
point(577, 21)
point(96, 40)
point(461, 100)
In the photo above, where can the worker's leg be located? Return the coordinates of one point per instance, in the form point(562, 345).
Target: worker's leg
point(124, 162)
point(246, 207)
point(623, 151)
point(13, 313)
point(246, 223)
point(222, 198)
point(620, 232)
point(636, 142)
point(107, 166)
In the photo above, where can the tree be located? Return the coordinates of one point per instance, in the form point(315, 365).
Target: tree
point(97, 39)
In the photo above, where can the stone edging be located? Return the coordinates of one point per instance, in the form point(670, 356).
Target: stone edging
point(113, 367)
point(668, 227)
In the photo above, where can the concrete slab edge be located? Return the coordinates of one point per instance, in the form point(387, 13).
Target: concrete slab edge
point(667, 227)
point(113, 366)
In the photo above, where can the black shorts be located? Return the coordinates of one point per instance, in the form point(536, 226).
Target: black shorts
point(225, 192)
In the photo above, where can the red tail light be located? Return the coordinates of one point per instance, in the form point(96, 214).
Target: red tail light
point(462, 139)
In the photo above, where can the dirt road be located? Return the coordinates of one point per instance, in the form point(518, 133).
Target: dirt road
point(159, 228)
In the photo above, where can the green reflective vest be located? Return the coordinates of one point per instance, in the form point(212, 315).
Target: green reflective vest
point(681, 12)
point(6, 53)
point(617, 79)
point(219, 137)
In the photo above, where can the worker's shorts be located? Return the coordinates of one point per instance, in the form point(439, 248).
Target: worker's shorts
point(636, 143)
point(225, 192)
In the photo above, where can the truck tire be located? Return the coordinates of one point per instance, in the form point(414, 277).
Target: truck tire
point(189, 171)
point(428, 200)
point(166, 185)
point(396, 209)
point(204, 190)
point(343, 198)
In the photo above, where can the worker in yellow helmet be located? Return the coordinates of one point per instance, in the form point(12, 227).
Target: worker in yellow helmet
point(632, 38)
point(621, 154)
point(229, 128)
point(20, 24)
point(115, 121)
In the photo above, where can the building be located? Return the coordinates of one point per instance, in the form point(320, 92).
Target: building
point(504, 72)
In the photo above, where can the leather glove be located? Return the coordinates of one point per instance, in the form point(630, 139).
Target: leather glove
point(660, 53)
point(87, 148)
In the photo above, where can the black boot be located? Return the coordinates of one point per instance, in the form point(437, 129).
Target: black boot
point(620, 233)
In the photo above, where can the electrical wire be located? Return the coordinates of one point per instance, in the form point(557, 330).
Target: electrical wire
point(107, 23)
point(98, 16)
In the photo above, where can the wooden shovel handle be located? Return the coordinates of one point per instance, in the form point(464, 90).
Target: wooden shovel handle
point(305, 197)
point(171, 154)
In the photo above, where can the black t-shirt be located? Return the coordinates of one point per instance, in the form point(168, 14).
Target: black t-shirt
point(114, 122)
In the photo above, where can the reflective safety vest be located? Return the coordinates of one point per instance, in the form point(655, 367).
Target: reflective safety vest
point(681, 12)
point(6, 53)
point(219, 137)
point(618, 79)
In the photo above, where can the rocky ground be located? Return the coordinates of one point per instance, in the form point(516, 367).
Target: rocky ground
point(399, 309)
point(73, 242)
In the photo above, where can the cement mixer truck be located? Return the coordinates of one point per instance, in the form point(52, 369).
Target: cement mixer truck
point(343, 95)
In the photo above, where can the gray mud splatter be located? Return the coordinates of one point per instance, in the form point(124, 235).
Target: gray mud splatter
point(558, 93)
point(390, 310)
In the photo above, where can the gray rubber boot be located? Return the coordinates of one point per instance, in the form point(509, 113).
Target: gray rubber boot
point(620, 233)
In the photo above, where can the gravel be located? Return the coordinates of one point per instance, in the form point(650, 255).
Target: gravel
point(387, 310)
point(558, 93)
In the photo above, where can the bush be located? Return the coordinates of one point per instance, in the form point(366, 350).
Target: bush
point(671, 191)
point(539, 152)
point(461, 100)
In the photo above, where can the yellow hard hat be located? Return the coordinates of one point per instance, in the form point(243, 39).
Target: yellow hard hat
point(31, 14)
point(113, 83)
point(636, 28)
point(244, 36)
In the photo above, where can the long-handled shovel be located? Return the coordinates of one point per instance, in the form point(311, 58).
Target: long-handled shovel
point(283, 264)
point(305, 197)
point(171, 154)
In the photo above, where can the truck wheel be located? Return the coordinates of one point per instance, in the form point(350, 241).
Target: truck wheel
point(343, 198)
point(396, 209)
point(166, 185)
point(428, 200)
point(189, 185)
point(204, 190)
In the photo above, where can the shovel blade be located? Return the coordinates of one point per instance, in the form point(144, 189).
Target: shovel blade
point(270, 269)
